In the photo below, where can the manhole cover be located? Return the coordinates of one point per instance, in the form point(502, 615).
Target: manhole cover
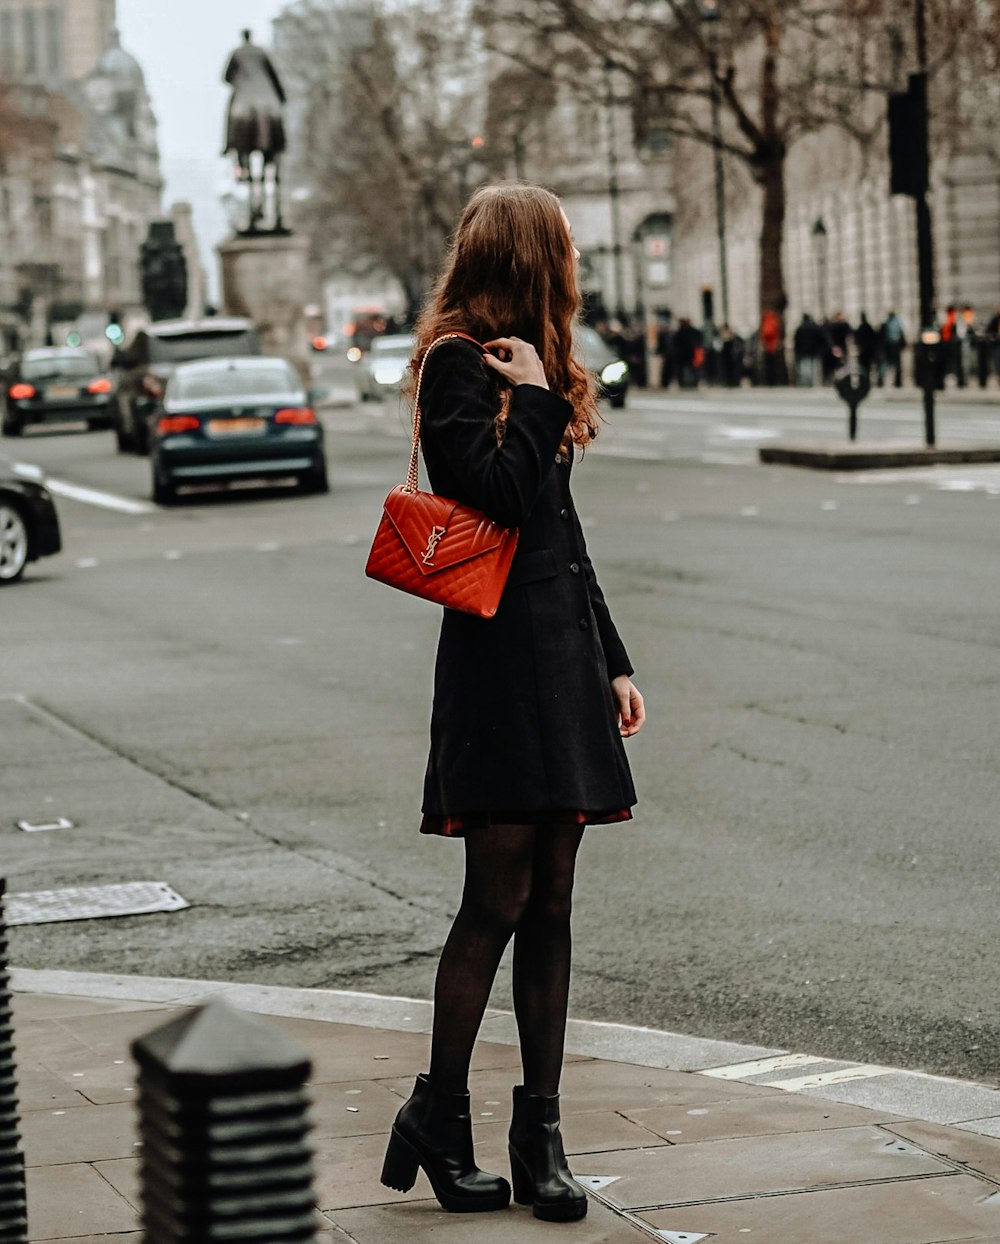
point(132, 898)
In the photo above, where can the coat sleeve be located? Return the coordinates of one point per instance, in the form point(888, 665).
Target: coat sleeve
point(615, 656)
point(458, 408)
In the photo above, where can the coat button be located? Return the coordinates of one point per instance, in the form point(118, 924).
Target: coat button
point(559, 459)
point(584, 624)
point(574, 568)
point(564, 513)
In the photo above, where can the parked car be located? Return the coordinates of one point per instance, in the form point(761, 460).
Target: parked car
point(598, 357)
point(29, 525)
point(144, 367)
point(235, 418)
point(54, 384)
point(384, 367)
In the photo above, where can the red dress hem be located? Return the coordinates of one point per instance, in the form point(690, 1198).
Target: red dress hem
point(455, 826)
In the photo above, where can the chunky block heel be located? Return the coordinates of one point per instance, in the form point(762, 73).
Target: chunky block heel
point(433, 1131)
point(399, 1170)
point(538, 1167)
point(520, 1179)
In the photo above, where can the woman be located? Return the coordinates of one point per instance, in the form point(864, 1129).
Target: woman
point(530, 707)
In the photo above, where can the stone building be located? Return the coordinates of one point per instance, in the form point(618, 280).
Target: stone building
point(849, 245)
point(617, 190)
point(79, 171)
point(53, 41)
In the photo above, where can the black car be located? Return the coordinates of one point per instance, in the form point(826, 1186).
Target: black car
point(237, 418)
point(54, 384)
point(598, 357)
point(144, 367)
point(29, 525)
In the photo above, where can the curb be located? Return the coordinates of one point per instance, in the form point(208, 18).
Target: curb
point(965, 1104)
point(874, 455)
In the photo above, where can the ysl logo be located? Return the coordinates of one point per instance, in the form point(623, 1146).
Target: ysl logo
point(433, 540)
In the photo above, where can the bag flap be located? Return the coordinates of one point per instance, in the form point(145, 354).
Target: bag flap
point(439, 533)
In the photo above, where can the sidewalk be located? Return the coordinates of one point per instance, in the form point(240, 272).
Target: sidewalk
point(687, 1145)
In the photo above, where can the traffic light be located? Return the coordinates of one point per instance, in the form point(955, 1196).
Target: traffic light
point(164, 272)
point(907, 139)
point(114, 331)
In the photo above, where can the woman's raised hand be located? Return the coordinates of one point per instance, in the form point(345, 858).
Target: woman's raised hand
point(518, 361)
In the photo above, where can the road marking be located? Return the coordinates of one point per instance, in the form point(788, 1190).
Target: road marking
point(93, 496)
point(760, 1066)
point(843, 1076)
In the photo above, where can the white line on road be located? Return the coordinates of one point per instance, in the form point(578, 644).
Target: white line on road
point(818, 1080)
point(92, 496)
point(758, 1066)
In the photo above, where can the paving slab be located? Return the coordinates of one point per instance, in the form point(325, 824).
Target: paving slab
point(40, 1089)
point(922, 1211)
point(757, 1166)
point(681, 1123)
point(54, 1137)
point(73, 1200)
point(417, 1222)
point(979, 1154)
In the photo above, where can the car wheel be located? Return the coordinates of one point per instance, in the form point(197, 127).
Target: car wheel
point(14, 543)
point(618, 401)
point(316, 480)
point(164, 490)
point(11, 427)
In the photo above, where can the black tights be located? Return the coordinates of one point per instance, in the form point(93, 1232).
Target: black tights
point(518, 881)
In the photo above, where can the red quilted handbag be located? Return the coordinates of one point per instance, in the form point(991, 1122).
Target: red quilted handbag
point(442, 550)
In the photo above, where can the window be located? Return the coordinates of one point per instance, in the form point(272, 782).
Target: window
point(7, 56)
point(30, 44)
point(53, 42)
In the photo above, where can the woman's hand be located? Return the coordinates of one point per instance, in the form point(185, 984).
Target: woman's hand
point(518, 362)
point(631, 707)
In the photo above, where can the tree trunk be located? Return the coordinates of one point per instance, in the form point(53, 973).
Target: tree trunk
point(770, 162)
point(771, 176)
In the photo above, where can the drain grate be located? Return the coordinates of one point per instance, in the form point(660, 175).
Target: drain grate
point(132, 898)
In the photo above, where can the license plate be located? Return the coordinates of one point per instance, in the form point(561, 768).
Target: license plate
point(62, 390)
point(234, 427)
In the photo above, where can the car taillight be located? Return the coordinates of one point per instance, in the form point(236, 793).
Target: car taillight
point(295, 414)
point(99, 386)
point(20, 391)
point(152, 387)
point(168, 424)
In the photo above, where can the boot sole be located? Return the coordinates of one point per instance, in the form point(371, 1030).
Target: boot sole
point(399, 1172)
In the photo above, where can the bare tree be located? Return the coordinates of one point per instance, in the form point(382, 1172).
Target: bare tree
point(779, 70)
point(386, 139)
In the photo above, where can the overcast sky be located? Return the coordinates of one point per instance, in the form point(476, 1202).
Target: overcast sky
point(182, 47)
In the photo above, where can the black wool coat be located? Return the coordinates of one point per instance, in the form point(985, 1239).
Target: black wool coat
point(524, 719)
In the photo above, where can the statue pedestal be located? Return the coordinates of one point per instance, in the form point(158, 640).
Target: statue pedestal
point(266, 278)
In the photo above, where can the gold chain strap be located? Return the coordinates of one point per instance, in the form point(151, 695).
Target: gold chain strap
point(411, 474)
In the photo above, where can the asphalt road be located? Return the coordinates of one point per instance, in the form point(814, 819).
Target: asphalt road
point(218, 699)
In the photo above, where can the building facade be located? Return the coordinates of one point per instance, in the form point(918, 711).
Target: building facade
point(79, 172)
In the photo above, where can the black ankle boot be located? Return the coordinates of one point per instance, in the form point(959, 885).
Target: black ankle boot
point(434, 1130)
point(538, 1166)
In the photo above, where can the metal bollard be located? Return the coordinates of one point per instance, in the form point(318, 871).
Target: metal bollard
point(223, 1125)
point(13, 1206)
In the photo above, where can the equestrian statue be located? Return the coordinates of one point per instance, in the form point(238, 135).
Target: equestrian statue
point(254, 124)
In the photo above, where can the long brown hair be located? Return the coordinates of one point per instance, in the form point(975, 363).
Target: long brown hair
point(510, 272)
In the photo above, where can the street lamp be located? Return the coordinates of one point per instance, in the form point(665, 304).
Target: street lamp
point(711, 13)
point(819, 237)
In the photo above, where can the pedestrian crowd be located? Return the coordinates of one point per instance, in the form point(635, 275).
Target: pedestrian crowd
point(687, 355)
